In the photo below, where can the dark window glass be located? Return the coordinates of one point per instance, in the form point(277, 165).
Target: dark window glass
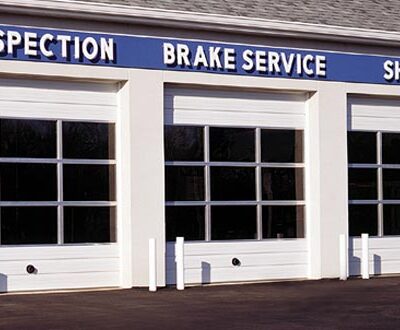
point(390, 148)
point(233, 183)
point(185, 221)
point(281, 146)
point(361, 147)
point(283, 221)
point(391, 219)
point(362, 183)
point(233, 222)
point(232, 144)
point(88, 140)
point(28, 182)
point(27, 138)
point(89, 224)
point(391, 184)
point(282, 184)
point(89, 182)
point(184, 183)
point(28, 225)
point(363, 219)
point(184, 143)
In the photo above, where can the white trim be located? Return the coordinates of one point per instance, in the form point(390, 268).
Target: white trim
point(180, 19)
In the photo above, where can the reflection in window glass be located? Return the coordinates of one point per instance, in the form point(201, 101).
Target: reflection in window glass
point(282, 184)
point(88, 140)
point(233, 183)
point(27, 138)
point(361, 147)
point(283, 221)
point(28, 182)
point(185, 221)
point(363, 183)
point(390, 148)
point(84, 224)
point(89, 182)
point(391, 219)
point(184, 183)
point(28, 225)
point(391, 184)
point(184, 143)
point(233, 222)
point(281, 146)
point(232, 144)
point(363, 219)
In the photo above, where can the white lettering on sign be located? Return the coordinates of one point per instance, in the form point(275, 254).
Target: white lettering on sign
point(46, 45)
point(268, 62)
point(392, 70)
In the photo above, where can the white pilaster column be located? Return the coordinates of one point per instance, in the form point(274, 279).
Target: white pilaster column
point(326, 178)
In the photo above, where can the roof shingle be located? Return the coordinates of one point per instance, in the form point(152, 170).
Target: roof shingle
point(367, 14)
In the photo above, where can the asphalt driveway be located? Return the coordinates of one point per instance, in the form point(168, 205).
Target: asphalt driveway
point(328, 304)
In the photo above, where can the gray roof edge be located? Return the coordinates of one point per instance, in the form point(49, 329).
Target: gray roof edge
point(213, 22)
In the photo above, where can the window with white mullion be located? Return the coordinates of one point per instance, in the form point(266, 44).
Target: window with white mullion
point(32, 171)
point(374, 183)
point(234, 187)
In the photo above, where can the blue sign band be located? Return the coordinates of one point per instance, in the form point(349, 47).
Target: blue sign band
point(45, 45)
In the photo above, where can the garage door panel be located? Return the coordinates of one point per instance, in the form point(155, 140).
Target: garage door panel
point(59, 266)
point(59, 281)
point(210, 107)
point(376, 115)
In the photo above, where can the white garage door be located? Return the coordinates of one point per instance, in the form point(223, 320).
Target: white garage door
point(374, 182)
point(57, 185)
point(235, 184)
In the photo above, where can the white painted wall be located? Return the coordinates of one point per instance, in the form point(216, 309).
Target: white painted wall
point(147, 161)
point(326, 178)
point(211, 262)
point(143, 203)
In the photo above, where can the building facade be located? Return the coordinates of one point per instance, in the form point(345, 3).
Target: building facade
point(259, 141)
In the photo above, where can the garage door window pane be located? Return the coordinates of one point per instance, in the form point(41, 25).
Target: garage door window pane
point(28, 225)
point(89, 182)
point(233, 183)
point(89, 224)
point(283, 221)
point(184, 183)
point(27, 138)
point(184, 143)
point(363, 219)
point(391, 184)
point(282, 184)
point(361, 147)
point(281, 146)
point(363, 184)
point(88, 140)
point(185, 221)
point(390, 148)
point(233, 222)
point(232, 144)
point(28, 182)
point(391, 219)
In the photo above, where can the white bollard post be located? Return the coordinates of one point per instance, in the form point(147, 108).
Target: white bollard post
point(343, 257)
point(152, 265)
point(364, 257)
point(180, 263)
